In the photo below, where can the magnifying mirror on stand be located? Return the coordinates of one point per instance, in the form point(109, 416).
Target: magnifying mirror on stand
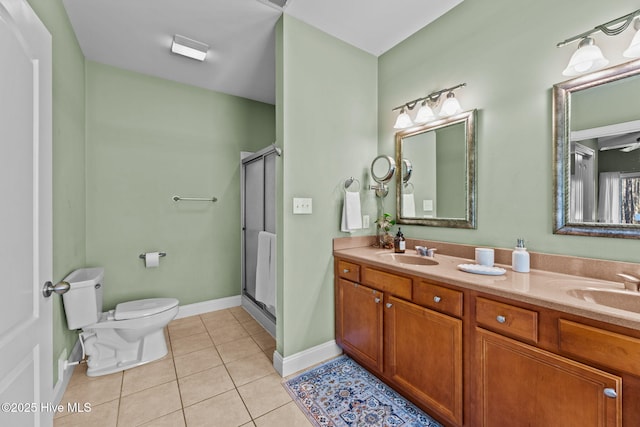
point(382, 169)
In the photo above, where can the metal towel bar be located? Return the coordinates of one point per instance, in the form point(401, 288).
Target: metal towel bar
point(194, 199)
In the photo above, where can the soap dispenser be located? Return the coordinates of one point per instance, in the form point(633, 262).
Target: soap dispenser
point(399, 243)
point(520, 258)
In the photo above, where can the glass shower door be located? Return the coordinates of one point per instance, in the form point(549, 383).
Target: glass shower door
point(259, 214)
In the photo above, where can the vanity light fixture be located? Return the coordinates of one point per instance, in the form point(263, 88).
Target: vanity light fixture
point(188, 47)
point(589, 57)
point(450, 106)
point(403, 121)
point(425, 114)
point(633, 51)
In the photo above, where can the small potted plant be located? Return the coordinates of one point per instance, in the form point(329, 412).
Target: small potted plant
point(385, 240)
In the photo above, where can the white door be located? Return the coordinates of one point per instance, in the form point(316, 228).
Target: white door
point(25, 217)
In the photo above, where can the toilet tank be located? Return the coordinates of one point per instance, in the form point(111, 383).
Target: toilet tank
point(83, 300)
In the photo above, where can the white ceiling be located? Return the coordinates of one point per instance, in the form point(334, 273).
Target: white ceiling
point(136, 34)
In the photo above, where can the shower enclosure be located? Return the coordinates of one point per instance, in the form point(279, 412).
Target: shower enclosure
point(258, 210)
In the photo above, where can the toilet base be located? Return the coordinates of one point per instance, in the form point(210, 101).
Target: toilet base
point(96, 372)
point(108, 353)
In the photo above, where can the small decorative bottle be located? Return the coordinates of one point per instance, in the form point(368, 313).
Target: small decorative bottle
point(520, 258)
point(399, 243)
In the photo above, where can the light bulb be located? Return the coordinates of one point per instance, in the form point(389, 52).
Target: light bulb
point(633, 51)
point(450, 106)
point(403, 120)
point(425, 114)
point(587, 58)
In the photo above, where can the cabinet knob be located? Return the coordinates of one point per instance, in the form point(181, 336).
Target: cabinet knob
point(389, 305)
point(437, 299)
point(611, 393)
point(346, 270)
point(501, 319)
point(377, 300)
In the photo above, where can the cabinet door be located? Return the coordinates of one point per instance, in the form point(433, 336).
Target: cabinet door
point(520, 385)
point(359, 323)
point(424, 356)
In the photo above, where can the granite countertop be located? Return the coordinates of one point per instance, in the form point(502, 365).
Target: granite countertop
point(538, 287)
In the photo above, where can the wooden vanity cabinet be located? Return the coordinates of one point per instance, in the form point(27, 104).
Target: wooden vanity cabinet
point(359, 322)
point(521, 385)
point(416, 350)
point(519, 381)
point(477, 360)
point(424, 356)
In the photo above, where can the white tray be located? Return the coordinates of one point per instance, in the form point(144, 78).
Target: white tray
point(482, 269)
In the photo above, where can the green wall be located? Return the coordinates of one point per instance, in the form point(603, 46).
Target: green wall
point(68, 160)
point(327, 91)
point(421, 151)
point(510, 66)
point(451, 152)
point(614, 102)
point(147, 140)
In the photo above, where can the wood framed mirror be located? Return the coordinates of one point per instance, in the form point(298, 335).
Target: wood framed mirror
point(596, 142)
point(441, 189)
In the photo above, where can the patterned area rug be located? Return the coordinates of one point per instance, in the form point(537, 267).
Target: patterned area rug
point(341, 393)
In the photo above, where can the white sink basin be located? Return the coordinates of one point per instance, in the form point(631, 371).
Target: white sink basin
point(408, 259)
point(620, 299)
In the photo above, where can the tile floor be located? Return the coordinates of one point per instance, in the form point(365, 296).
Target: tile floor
point(218, 373)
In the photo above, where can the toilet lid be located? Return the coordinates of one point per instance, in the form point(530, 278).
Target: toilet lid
point(143, 307)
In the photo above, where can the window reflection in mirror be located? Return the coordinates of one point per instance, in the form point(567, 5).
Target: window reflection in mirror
point(597, 153)
point(604, 175)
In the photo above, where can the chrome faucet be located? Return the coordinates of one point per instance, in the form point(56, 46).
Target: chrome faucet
point(631, 283)
point(423, 251)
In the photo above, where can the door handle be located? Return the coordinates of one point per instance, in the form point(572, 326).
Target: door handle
point(60, 288)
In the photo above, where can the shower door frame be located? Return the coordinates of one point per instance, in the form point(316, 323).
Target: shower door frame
point(254, 307)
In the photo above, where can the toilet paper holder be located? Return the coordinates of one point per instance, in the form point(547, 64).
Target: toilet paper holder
point(160, 254)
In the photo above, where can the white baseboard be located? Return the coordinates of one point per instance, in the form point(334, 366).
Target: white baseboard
point(305, 359)
point(183, 311)
point(61, 385)
point(207, 306)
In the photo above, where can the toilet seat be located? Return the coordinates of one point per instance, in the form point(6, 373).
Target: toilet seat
point(143, 308)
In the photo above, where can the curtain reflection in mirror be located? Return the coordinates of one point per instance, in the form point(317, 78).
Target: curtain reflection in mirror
point(609, 198)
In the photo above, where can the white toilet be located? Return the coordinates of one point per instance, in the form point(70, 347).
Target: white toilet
point(119, 339)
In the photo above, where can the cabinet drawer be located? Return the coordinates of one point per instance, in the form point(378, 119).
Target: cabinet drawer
point(439, 298)
point(387, 282)
point(349, 271)
point(598, 345)
point(515, 321)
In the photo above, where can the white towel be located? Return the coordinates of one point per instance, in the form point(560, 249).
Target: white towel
point(351, 212)
point(266, 270)
point(408, 206)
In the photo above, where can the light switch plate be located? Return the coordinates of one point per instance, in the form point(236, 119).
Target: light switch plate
point(302, 205)
point(365, 221)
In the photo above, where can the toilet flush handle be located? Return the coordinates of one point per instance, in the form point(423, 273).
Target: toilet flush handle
point(60, 288)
